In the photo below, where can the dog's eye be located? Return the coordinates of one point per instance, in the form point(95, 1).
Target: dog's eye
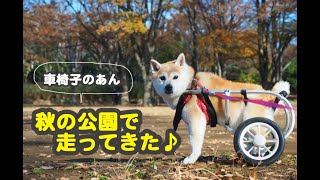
point(162, 78)
point(175, 77)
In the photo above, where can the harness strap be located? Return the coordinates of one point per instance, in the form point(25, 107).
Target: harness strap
point(177, 115)
point(244, 94)
point(211, 111)
point(282, 93)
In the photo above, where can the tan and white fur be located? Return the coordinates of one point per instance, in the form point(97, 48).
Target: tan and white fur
point(172, 78)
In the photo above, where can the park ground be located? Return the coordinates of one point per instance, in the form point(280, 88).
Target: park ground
point(218, 160)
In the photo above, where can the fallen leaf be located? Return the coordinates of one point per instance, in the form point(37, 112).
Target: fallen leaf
point(279, 162)
point(291, 169)
point(68, 167)
point(278, 175)
point(254, 174)
point(237, 174)
point(228, 175)
point(43, 176)
point(62, 178)
point(210, 162)
point(201, 178)
point(82, 167)
point(270, 173)
point(46, 167)
point(164, 163)
point(158, 176)
point(60, 165)
point(79, 164)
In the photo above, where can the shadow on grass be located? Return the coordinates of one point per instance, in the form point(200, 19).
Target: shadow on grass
point(37, 143)
point(223, 160)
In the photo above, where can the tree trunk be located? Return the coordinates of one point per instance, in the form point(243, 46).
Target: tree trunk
point(277, 69)
point(146, 80)
point(124, 97)
point(123, 74)
point(218, 65)
point(263, 72)
point(194, 52)
point(148, 86)
point(263, 64)
point(224, 71)
point(262, 45)
point(147, 91)
point(222, 62)
point(193, 27)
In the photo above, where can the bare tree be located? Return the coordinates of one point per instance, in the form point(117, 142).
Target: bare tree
point(276, 28)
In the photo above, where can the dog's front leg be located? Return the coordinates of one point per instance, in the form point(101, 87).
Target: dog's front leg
point(196, 128)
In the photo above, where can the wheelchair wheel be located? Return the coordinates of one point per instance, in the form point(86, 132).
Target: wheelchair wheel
point(259, 141)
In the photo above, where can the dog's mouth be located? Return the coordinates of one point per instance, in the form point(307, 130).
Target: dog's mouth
point(168, 91)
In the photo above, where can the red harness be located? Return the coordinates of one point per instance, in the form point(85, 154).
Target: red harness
point(201, 104)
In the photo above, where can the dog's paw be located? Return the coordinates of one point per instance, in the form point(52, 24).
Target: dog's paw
point(189, 160)
point(185, 161)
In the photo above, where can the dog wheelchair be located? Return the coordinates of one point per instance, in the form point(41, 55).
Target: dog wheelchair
point(259, 140)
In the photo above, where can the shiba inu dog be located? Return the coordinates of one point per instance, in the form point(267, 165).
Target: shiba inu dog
point(172, 78)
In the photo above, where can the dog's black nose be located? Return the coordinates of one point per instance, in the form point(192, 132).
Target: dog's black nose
point(168, 89)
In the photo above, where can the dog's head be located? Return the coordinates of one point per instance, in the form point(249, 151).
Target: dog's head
point(172, 78)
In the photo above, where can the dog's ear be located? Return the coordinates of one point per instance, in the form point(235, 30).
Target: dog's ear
point(154, 65)
point(181, 60)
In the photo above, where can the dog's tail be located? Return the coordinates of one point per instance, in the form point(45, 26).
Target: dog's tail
point(283, 88)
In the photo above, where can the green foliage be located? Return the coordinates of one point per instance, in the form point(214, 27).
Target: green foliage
point(290, 75)
point(31, 92)
point(168, 52)
point(137, 90)
point(38, 171)
point(40, 71)
point(89, 69)
point(140, 175)
point(26, 70)
point(103, 178)
point(249, 77)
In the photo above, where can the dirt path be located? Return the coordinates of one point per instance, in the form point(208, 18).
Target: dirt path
point(218, 143)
